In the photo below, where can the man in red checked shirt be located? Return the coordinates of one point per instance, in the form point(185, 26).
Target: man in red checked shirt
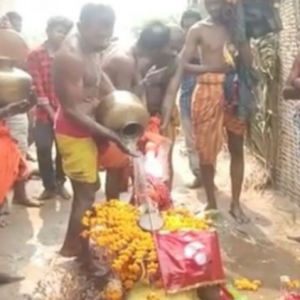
point(39, 66)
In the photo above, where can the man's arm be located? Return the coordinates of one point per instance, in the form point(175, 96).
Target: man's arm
point(33, 66)
point(18, 107)
point(292, 86)
point(170, 97)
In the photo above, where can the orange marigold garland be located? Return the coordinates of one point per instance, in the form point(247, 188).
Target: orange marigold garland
point(130, 250)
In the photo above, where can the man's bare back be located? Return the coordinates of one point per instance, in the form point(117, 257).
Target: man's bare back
point(121, 66)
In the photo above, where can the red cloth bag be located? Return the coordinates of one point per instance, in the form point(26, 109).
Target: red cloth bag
point(189, 259)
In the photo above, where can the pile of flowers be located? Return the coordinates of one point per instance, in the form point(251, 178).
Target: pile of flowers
point(245, 284)
point(129, 250)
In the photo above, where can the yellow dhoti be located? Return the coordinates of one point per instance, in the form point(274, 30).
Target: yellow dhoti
point(82, 157)
point(79, 157)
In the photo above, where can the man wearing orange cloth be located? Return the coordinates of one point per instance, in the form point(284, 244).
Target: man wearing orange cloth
point(211, 112)
point(13, 165)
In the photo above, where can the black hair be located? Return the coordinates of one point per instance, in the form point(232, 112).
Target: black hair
point(91, 11)
point(59, 21)
point(190, 14)
point(13, 15)
point(154, 36)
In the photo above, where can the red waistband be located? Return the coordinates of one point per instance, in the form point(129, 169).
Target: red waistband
point(63, 125)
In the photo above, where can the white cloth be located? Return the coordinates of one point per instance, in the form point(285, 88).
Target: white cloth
point(18, 127)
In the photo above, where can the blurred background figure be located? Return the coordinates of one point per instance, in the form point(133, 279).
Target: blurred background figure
point(39, 66)
point(15, 20)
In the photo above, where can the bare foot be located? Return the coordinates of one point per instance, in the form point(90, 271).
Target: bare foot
point(47, 195)
point(28, 202)
point(195, 184)
point(211, 207)
point(62, 192)
point(35, 173)
point(3, 222)
point(29, 157)
point(5, 278)
point(70, 249)
point(4, 208)
point(237, 213)
point(294, 238)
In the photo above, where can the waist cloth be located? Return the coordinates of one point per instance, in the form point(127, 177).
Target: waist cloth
point(211, 114)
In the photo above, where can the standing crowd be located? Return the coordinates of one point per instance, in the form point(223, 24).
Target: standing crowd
point(70, 77)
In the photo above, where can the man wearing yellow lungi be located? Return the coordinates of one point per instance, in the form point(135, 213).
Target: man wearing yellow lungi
point(80, 84)
point(211, 112)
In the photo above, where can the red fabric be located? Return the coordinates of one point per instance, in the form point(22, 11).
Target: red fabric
point(292, 296)
point(152, 134)
point(66, 126)
point(13, 166)
point(158, 192)
point(189, 259)
point(39, 64)
point(110, 156)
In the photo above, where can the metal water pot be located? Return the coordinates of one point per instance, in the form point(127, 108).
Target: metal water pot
point(15, 84)
point(123, 113)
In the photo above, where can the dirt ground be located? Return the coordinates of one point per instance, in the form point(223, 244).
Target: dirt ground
point(258, 250)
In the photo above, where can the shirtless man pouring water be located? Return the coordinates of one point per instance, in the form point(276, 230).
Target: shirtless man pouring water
point(79, 85)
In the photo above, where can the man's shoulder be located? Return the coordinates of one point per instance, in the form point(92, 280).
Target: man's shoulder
point(197, 29)
point(119, 58)
point(69, 51)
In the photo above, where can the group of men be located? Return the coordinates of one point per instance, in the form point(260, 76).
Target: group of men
point(70, 77)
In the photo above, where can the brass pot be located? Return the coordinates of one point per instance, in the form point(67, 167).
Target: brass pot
point(12, 45)
point(123, 113)
point(15, 84)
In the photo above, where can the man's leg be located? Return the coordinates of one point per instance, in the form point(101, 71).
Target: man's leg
point(236, 150)
point(208, 174)
point(192, 154)
point(113, 183)
point(209, 293)
point(60, 176)
point(83, 199)
point(44, 141)
point(171, 167)
point(20, 196)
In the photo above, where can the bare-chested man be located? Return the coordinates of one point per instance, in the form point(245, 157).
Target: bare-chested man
point(156, 91)
point(210, 112)
point(131, 70)
point(79, 84)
